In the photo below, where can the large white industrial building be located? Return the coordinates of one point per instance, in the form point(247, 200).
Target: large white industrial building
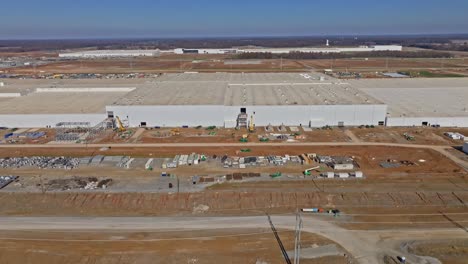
point(223, 99)
point(152, 53)
point(290, 50)
point(110, 53)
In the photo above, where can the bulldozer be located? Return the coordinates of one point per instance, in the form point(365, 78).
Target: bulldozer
point(175, 132)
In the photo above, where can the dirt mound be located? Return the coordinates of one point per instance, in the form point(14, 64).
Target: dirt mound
point(215, 203)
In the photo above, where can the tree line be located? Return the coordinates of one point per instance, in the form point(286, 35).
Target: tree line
point(372, 54)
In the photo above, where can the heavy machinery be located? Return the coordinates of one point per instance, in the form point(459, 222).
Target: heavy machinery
point(252, 124)
point(120, 125)
point(276, 174)
point(244, 138)
point(308, 171)
point(409, 137)
point(175, 132)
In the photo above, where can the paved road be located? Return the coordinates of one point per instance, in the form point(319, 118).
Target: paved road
point(439, 148)
point(368, 247)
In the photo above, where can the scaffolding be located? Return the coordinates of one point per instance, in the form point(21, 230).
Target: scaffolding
point(83, 131)
point(242, 120)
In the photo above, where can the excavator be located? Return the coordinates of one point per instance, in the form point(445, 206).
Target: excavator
point(308, 171)
point(120, 126)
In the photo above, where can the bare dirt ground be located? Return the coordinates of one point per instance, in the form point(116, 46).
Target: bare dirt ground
point(447, 251)
point(33, 54)
point(193, 135)
point(213, 63)
point(422, 135)
point(160, 64)
point(207, 246)
point(384, 63)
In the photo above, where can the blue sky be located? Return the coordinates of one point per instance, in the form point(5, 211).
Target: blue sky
point(205, 18)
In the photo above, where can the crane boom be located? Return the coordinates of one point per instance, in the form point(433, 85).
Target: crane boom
point(252, 124)
point(120, 125)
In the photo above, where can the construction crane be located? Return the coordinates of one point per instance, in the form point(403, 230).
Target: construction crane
point(252, 124)
point(120, 125)
point(307, 172)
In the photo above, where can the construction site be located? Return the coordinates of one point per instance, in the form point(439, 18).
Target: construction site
point(132, 170)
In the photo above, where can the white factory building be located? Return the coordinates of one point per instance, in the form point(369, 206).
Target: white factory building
point(110, 53)
point(228, 99)
point(290, 50)
point(153, 53)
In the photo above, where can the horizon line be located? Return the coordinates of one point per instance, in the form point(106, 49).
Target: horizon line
point(236, 37)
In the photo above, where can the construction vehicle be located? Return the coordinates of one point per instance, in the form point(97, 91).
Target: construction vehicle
point(275, 175)
point(408, 137)
point(244, 138)
point(252, 124)
point(120, 125)
point(308, 171)
point(175, 132)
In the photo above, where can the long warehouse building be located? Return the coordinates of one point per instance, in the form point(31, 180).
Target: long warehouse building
point(229, 99)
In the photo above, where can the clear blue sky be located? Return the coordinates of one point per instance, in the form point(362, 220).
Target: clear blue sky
point(203, 18)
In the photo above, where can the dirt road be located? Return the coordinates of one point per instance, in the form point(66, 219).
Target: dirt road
point(367, 247)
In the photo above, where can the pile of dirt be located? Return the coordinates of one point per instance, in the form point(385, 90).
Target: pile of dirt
point(213, 203)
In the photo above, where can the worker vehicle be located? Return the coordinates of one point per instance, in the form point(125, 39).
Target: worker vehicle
point(308, 171)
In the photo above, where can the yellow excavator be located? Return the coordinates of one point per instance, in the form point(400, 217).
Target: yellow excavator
point(120, 126)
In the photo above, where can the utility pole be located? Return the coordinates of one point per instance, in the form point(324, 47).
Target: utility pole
point(297, 240)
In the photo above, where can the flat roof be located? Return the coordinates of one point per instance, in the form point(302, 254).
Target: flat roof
point(438, 97)
point(245, 89)
point(411, 97)
point(58, 103)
